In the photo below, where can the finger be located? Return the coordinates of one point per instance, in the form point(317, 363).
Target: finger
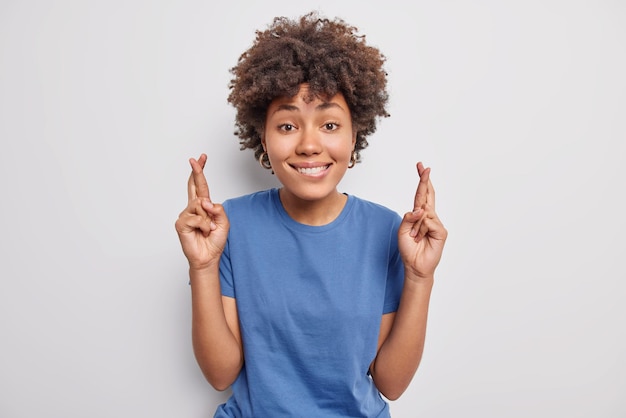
point(430, 196)
point(202, 160)
point(422, 188)
point(202, 208)
point(198, 186)
point(412, 221)
point(432, 227)
point(191, 185)
point(420, 168)
point(191, 223)
point(191, 188)
point(196, 207)
point(422, 229)
point(217, 213)
point(200, 205)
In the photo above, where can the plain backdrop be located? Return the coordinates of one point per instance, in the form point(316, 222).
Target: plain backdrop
point(519, 107)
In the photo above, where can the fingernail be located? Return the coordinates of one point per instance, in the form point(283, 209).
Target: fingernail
point(413, 233)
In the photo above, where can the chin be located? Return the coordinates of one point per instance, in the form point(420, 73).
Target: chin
point(310, 194)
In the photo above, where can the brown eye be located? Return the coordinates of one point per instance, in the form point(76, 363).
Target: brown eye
point(331, 126)
point(286, 127)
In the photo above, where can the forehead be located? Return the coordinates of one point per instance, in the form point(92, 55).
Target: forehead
point(305, 100)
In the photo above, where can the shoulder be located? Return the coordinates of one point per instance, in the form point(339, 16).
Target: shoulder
point(250, 201)
point(372, 209)
point(252, 209)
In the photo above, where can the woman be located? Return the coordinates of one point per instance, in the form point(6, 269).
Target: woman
point(307, 301)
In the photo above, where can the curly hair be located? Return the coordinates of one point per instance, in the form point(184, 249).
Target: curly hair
point(330, 55)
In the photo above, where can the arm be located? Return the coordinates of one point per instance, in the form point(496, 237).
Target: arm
point(202, 229)
point(215, 330)
point(421, 238)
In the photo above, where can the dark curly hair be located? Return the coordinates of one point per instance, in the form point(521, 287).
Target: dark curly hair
point(330, 55)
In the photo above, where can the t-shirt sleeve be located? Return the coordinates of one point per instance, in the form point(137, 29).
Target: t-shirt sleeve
point(226, 273)
point(395, 272)
point(227, 284)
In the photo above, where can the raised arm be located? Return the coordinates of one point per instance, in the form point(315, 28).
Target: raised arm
point(202, 228)
point(421, 238)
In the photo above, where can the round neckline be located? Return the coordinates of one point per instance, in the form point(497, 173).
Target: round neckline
point(293, 224)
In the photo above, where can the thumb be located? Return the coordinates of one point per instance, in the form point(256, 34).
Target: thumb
point(410, 220)
point(215, 211)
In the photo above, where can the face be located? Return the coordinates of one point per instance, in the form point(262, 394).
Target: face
point(309, 145)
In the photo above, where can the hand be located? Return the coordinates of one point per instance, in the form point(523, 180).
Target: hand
point(203, 226)
point(421, 235)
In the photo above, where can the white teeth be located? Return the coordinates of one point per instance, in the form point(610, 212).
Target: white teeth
point(312, 170)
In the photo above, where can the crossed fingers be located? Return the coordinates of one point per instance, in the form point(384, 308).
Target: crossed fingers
point(198, 195)
point(197, 185)
point(423, 204)
point(425, 193)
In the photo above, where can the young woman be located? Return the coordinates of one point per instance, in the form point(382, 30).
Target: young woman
point(308, 301)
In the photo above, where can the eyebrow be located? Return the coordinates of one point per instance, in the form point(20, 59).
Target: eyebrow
point(293, 108)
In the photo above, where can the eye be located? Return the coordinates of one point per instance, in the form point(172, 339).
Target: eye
point(287, 127)
point(331, 126)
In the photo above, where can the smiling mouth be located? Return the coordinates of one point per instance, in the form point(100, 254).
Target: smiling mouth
point(311, 171)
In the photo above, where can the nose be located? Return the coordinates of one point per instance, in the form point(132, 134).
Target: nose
point(310, 142)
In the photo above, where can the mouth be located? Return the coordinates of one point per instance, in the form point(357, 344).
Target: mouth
point(312, 171)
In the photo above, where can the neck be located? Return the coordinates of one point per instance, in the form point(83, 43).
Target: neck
point(313, 212)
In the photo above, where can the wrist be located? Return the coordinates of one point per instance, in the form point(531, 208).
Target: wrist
point(204, 269)
point(419, 279)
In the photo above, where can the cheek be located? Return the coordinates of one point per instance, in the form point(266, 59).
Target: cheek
point(344, 151)
point(275, 149)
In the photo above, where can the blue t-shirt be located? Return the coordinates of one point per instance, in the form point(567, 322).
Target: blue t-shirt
point(310, 300)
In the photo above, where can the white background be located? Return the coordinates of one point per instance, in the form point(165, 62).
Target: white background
point(519, 107)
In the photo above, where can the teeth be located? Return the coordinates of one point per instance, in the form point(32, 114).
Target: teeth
point(313, 170)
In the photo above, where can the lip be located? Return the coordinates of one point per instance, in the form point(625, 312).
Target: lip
point(311, 169)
